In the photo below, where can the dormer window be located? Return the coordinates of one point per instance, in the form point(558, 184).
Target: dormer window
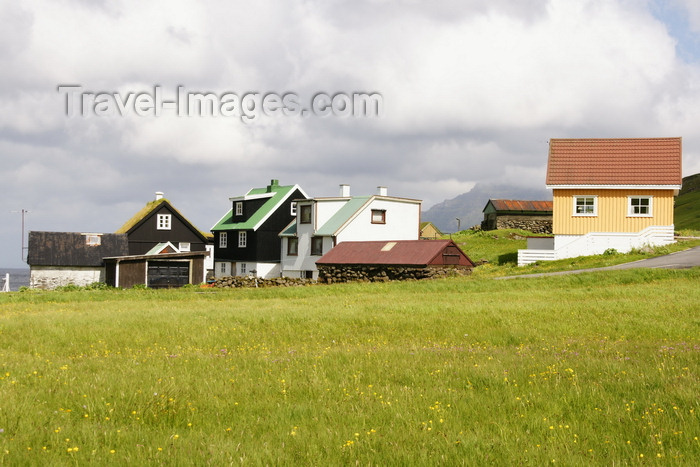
point(164, 221)
point(93, 239)
point(239, 208)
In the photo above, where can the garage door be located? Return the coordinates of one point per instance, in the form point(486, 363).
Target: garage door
point(167, 274)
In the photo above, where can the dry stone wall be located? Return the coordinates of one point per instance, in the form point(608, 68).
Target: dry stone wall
point(332, 274)
point(538, 225)
point(245, 281)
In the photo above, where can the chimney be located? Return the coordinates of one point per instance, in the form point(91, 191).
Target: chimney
point(345, 191)
point(273, 183)
point(381, 190)
point(159, 195)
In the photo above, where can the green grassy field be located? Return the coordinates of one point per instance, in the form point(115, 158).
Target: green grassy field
point(687, 205)
point(500, 249)
point(600, 368)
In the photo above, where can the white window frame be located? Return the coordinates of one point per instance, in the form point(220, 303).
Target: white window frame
point(164, 222)
point(242, 239)
point(243, 268)
point(222, 268)
point(293, 208)
point(93, 239)
point(184, 247)
point(586, 214)
point(239, 208)
point(630, 206)
point(223, 239)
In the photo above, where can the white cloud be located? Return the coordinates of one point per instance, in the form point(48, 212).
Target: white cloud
point(472, 92)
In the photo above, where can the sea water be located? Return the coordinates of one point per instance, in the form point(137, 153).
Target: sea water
point(18, 278)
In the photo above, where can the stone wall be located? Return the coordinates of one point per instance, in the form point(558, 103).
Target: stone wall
point(534, 224)
point(246, 281)
point(332, 274)
point(50, 277)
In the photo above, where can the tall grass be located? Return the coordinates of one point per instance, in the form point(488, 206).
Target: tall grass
point(593, 368)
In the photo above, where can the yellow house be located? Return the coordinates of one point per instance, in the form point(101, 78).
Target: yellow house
point(609, 193)
point(429, 231)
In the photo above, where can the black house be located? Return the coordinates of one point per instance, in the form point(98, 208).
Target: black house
point(246, 239)
point(159, 222)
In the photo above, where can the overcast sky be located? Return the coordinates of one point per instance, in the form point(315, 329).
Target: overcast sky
point(472, 91)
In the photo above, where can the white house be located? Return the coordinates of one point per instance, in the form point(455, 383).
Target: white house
point(322, 223)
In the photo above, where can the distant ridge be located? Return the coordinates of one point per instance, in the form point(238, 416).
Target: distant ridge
point(686, 212)
point(468, 206)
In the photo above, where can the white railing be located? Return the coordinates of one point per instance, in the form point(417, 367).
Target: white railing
point(530, 256)
point(595, 243)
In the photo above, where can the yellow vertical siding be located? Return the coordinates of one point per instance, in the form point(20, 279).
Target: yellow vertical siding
point(612, 212)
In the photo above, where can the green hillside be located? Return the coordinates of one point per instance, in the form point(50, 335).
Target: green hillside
point(687, 208)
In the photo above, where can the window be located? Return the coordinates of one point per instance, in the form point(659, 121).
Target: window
point(243, 269)
point(585, 205)
point(293, 208)
point(184, 247)
point(305, 214)
point(317, 246)
point(222, 268)
point(93, 239)
point(378, 216)
point(223, 239)
point(292, 246)
point(242, 239)
point(639, 206)
point(164, 221)
point(239, 208)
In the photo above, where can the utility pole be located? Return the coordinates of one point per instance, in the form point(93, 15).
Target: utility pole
point(23, 212)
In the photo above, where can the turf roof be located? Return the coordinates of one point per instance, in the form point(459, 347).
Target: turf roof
point(145, 211)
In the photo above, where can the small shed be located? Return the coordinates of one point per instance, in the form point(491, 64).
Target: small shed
point(535, 216)
point(71, 258)
point(401, 259)
point(428, 231)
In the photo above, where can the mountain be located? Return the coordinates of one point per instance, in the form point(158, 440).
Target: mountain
point(686, 212)
point(468, 206)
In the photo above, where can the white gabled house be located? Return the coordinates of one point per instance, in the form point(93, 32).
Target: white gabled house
point(322, 223)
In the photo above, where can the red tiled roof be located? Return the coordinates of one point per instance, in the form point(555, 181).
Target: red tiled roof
point(624, 161)
point(521, 205)
point(398, 252)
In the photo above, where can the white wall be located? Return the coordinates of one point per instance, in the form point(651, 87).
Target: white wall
point(402, 223)
point(218, 272)
point(50, 277)
point(594, 243)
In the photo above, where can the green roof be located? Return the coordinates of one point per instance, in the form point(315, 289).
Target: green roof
point(290, 230)
point(333, 224)
point(279, 194)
